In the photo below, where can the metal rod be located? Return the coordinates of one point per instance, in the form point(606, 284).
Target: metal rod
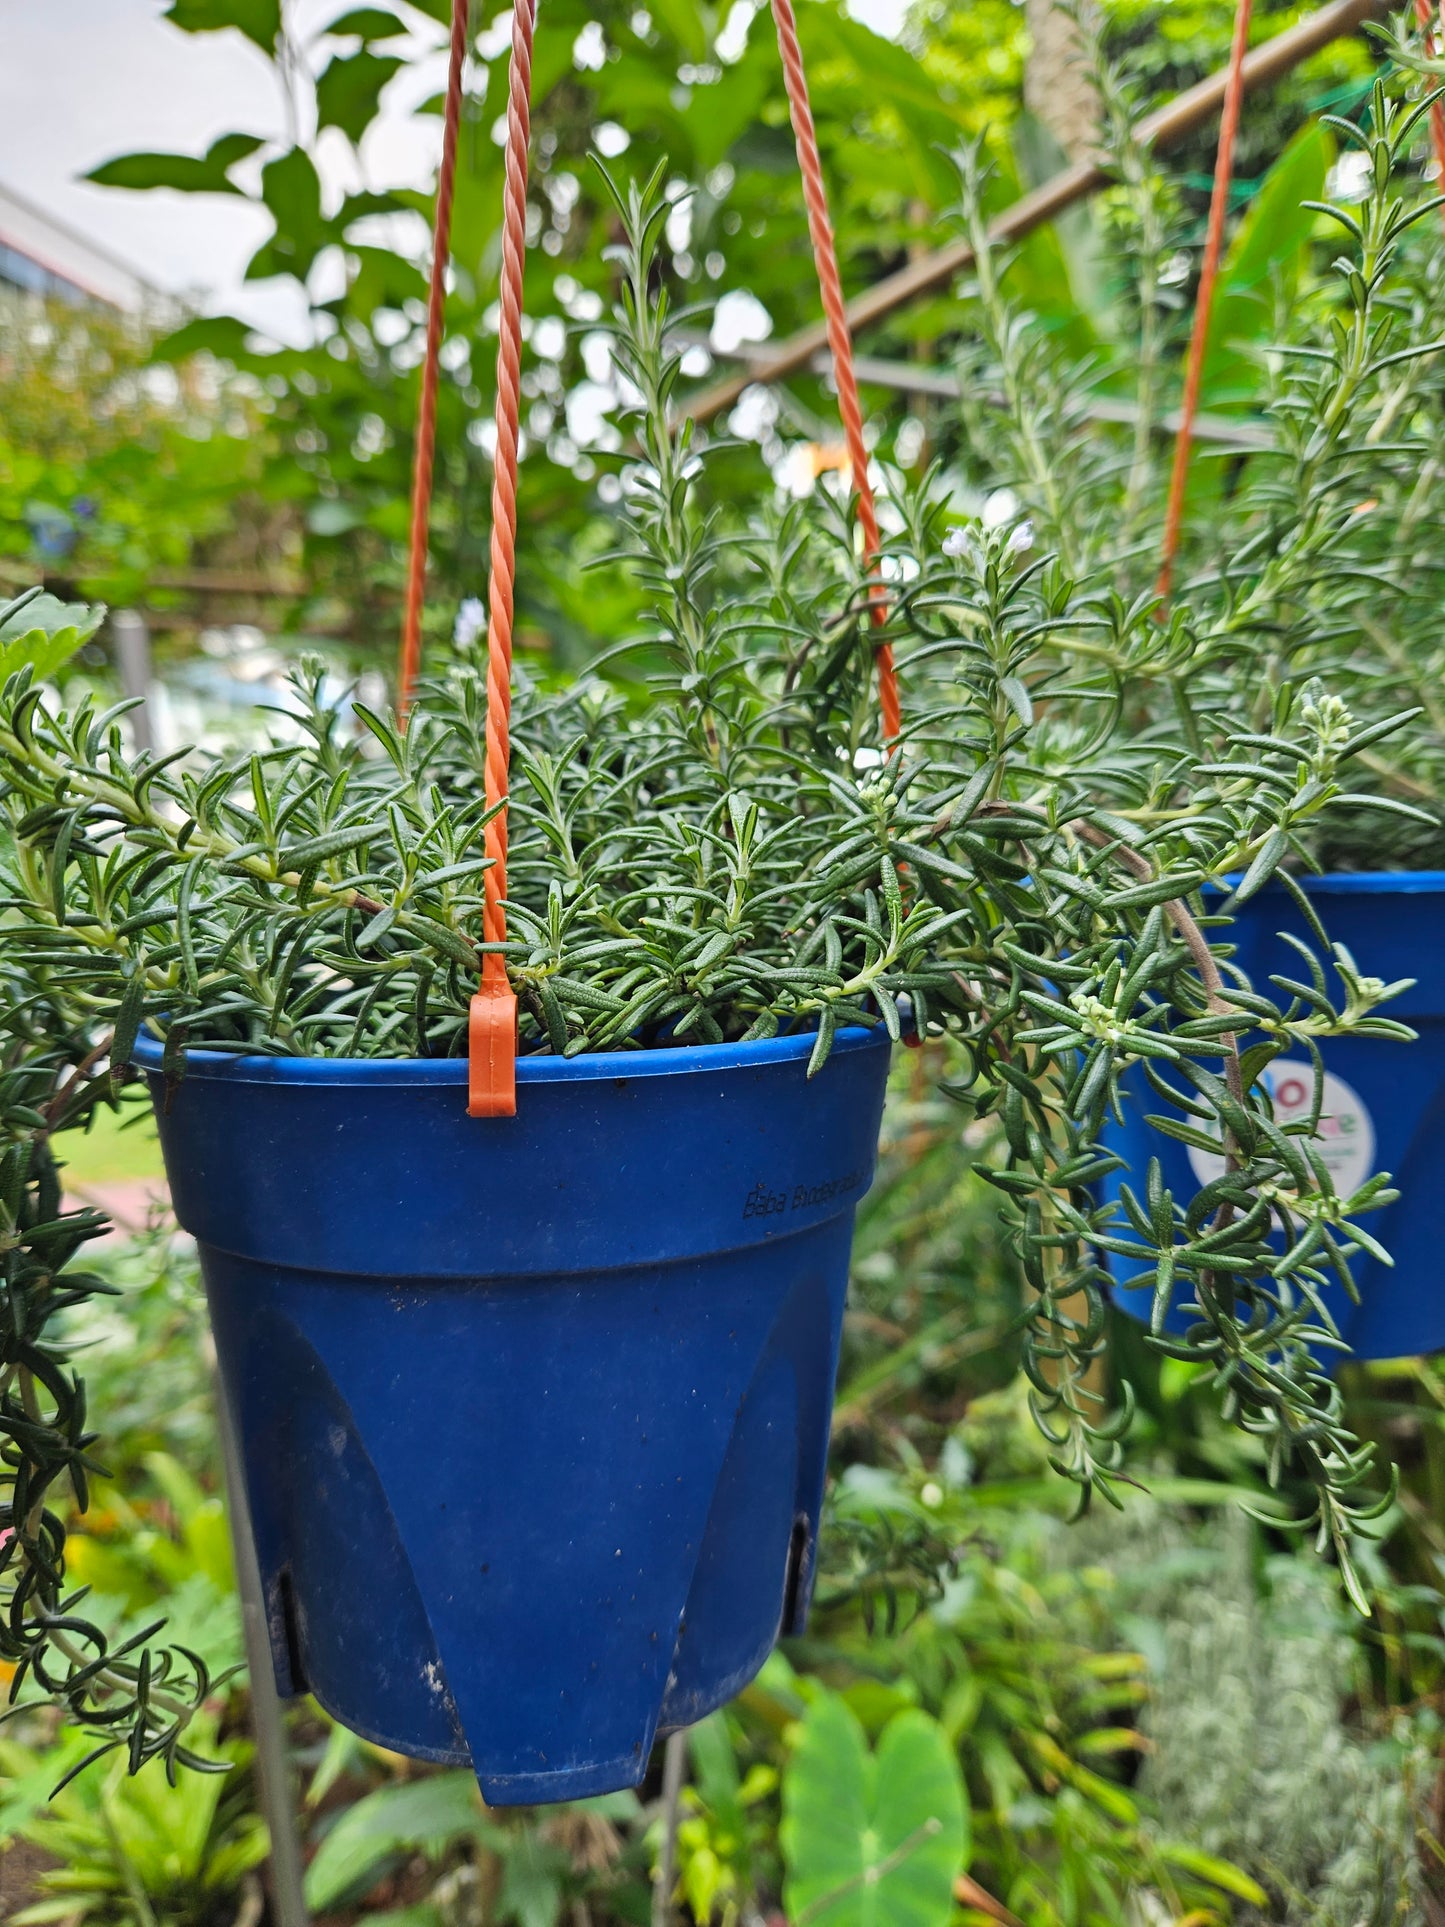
point(1163, 128)
point(674, 1758)
point(274, 1778)
point(133, 662)
point(937, 384)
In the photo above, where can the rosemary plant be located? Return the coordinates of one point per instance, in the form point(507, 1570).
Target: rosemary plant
point(708, 844)
point(134, 1693)
point(1309, 559)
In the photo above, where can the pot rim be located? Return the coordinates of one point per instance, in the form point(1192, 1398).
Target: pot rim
point(1345, 883)
point(1349, 883)
point(671, 1061)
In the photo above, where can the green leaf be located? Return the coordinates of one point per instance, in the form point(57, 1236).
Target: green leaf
point(1062, 271)
point(368, 23)
point(420, 1813)
point(259, 20)
point(220, 335)
point(1269, 251)
point(871, 1840)
point(349, 91)
point(40, 632)
point(532, 1880)
point(182, 173)
point(291, 189)
point(682, 19)
point(1225, 1875)
point(424, 1915)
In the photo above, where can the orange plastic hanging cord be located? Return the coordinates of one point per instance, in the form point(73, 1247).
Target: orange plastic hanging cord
point(426, 426)
point(492, 1029)
point(1204, 302)
point(825, 256)
point(492, 1026)
point(1433, 41)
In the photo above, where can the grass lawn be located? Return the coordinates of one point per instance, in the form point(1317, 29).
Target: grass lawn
point(115, 1150)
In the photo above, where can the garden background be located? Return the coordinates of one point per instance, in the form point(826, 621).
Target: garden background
point(1165, 1716)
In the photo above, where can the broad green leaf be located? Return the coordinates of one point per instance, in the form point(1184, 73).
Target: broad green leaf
point(163, 1830)
point(714, 1763)
point(220, 335)
point(718, 114)
point(423, 1916)
point(421, 1813)
point(349, 91)
point(228, 1864)
point(368, 24)
point(28, 1779)
point(895, 75)
point(259, 20)
point(682, 19)
point(41, 632)
point(1061, 271)
point(872, 1840)
point(183, 173)
point(1269, 250)
point(291, 189)
point(533, 1873)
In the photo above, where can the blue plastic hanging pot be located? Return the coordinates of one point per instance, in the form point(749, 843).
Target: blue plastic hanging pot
point(1383, 1109)
point(534, 1411)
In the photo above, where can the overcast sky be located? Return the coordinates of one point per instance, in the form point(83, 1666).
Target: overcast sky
point(87, 79)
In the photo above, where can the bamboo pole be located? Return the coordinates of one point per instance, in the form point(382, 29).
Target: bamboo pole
point(1163, 128)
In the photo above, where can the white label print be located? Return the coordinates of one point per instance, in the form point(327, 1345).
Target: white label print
point(1345, 1138)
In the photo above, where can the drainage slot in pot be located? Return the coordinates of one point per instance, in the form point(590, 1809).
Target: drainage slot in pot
point(297, 1681)
point(794, 1601)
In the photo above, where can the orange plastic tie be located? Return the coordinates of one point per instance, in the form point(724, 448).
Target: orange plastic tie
point(1424, 14)
point(840, 341)
point(492, 1045)
point(426, 427)
point(492, 1041)
point(1204, 304)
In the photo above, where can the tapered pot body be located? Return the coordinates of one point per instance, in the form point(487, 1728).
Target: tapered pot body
point(1384, 1102)
point(534, 1411)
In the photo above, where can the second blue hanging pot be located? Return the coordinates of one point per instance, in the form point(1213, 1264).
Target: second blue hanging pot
point(534, 1411)
point(1383, 1107)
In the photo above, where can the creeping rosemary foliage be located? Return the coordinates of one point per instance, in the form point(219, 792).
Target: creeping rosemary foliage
point(132, 1693)
point(709, 843)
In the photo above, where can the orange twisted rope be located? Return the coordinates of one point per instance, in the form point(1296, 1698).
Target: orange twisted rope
point(1204, 303)
point(492, 1023)
point(825, 256)
point(426, 426)
point(492, 1029)
point(1437, 112)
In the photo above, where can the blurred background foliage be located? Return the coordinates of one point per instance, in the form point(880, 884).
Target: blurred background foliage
point(1165, 1716)
point(992, 1718)
point(283, 471)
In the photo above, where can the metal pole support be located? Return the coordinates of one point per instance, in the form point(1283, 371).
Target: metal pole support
point(273, 1764)
point(674, 1763)
point(133, 661)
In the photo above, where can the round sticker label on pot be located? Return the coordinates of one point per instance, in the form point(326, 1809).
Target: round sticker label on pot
point(1345, 1138)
